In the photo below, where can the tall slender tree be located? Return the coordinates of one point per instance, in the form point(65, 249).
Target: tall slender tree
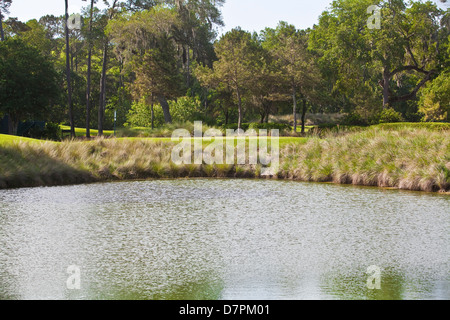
point(289, 48)
point(146, 31)
point(68, 71)
point(238, 59)
point(111, 11)
point(88, 76)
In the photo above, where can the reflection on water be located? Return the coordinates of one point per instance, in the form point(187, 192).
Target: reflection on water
point(222, 239)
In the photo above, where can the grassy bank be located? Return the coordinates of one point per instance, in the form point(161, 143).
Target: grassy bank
point(406, 158)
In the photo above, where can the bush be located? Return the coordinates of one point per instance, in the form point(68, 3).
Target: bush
point(259, 126)
point(140, 115)
point(354, 119)
point(434, 101)
point(51, 131)
point(387, 116)
point(234, 126)
point(327, 126)
point(186, 109)
point(270, 126)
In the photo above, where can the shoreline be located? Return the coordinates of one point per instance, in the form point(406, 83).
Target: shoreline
point(407, 159)
point(69, 184)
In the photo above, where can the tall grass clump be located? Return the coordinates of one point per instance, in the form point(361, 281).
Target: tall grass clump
point(406, 158)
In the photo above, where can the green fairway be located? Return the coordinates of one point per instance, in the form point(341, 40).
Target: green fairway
point(81, 132)
point(8, 139)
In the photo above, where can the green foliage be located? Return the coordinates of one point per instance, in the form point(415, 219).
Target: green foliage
point(140, 115)
point(400, 57)
point(270, 126)
point(388, 115)
point(234, 126)
point(51, 131)
point(167, 49)
point(435, 99)
point(354, 119)
point(186, 109)
point(28, 81)
point(258, 126)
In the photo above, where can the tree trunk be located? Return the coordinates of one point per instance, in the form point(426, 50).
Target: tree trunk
point(13, 125)
point(69, 84)
point(102, 104)
point(166, 110)
point(2, 33)
point(88, 84)
point(238, 92)
point(153, 113)
point(102, 100)
point(304, 115)
point(188, 79)
point(263, 116)
point(294, 99)
point(386, 78)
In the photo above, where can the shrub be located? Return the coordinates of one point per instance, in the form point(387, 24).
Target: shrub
point(186, 109)
point(354, 119)
point(434, 101)
point(51, 131)
point(270, 126)
point(258, 126)
point(140, 115)
point(387, 116)
point(234, 126)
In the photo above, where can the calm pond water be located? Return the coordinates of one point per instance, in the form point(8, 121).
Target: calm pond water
point(222, 239)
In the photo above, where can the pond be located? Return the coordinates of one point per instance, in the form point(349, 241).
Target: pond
point(223, 240)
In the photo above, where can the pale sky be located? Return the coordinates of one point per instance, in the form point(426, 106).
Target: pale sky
point(251, 15)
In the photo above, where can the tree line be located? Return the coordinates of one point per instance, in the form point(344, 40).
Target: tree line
point(160, 61)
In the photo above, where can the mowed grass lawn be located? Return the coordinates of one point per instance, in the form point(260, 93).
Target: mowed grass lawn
point(8, 139)
point(81, 132)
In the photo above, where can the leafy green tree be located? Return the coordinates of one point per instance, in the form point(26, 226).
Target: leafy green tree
point(111, 12)
point(4, 6)
point(140, 115)
point(157, 75)
point(28, 82)
point(380, 61)
point(36, 36)
point(68, 72)
point(195, 32)
point(89, 66)
point(144, 42)
point(435, 99)
point(289, 48)
point(237, 63)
